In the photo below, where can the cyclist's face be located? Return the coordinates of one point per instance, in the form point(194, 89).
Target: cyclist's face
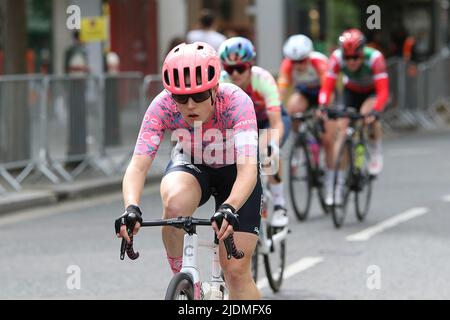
point(300, 65)
point(240, 75)
point(198, 111)
point(353, 62)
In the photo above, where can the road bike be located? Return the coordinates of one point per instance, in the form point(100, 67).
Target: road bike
point(307, 165)
point(352, 161)
point(186, 284)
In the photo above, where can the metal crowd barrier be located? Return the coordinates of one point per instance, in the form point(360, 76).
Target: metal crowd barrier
point(22, 125)
point(123, 116)
point(417, 91)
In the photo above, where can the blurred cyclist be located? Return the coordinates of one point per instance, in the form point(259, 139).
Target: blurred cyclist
point(237, 55)
point(201, 113)
point(366, 86)
point(305, 70)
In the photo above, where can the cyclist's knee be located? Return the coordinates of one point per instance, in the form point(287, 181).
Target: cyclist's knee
point(176, 204)
point(237, 276)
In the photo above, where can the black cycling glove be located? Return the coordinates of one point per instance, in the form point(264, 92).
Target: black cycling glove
point(129, 218)
point(228, 213)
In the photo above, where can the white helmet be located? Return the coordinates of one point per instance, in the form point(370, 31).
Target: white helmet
point(297, 47)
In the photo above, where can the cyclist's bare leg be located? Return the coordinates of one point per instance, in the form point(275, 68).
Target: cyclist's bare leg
point(296, 103)
point(238, 275)
point(180, 194)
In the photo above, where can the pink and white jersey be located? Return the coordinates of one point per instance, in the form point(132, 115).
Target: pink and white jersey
point(230, 133)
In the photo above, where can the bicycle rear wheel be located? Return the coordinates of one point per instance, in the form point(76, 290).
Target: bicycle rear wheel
point(274, 262)
point(341, 191)
point(363, 186)
point(180, 287)
point(300, 179)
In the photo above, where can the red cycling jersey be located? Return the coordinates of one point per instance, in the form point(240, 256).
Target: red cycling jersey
point(371, 76)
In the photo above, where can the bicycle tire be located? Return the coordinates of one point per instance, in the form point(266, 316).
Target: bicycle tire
point(300, 147)
point(339, 211)
point(363, 183)
point(255, 261)
point(180, 287)
point(275, 281)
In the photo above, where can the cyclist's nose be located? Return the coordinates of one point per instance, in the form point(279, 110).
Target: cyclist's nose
point(191, 104)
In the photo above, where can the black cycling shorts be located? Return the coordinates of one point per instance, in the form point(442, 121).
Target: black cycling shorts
point(355, 100)
point(218, 182)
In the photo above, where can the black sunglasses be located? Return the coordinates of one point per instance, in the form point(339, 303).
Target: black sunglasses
point(355, 57)
point(240, 68)
point(299, 61)
point(197, 97)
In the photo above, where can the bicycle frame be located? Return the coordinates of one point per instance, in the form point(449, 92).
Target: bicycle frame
point(190, 261)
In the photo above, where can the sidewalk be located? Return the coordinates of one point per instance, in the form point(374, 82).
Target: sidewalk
point(91, 183)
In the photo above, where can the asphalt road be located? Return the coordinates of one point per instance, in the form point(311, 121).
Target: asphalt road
point(401, 251)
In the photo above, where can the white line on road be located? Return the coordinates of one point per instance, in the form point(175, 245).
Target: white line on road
point(409, 152)
point(30, 214)
point(446, 198)
point(387, 224)
point(297, 267)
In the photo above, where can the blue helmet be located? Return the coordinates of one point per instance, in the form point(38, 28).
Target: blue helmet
point(236, 50)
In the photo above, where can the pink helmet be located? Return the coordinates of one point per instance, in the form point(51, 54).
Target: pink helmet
point(197, 62)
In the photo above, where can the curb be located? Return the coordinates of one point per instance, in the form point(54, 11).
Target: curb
point(27, 199)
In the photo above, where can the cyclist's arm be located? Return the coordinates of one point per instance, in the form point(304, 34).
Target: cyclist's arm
point(265, 83)
point(284, 77)
point(276, 123)
point(330, 80)
point(134, 179)
point(147, 144)
point(245, 136)
point(381, 83)
point(244, 184)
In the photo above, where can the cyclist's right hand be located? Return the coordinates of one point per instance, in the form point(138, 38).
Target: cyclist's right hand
point(321, 112)
point(131, 219)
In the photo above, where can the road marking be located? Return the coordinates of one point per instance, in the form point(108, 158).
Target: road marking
point(30, 214)
point(446, 198)
point(297, 267)
point(387, 224)
point(409, 152)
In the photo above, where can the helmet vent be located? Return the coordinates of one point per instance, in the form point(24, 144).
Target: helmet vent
point(166, 77)
point(187, 80)
point(176, 78)
point(198, 75)
point(211, 73)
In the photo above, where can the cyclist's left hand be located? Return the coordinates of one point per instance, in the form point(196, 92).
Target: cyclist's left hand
point(229, 219)
point(372, 116)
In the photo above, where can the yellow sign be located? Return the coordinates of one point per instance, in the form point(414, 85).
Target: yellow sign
point(93, 29)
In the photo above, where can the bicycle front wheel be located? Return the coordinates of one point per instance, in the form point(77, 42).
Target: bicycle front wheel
point(363, 184)
point(300, 179)
point(180, 287)
point(342, 184)
point(274, 261)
